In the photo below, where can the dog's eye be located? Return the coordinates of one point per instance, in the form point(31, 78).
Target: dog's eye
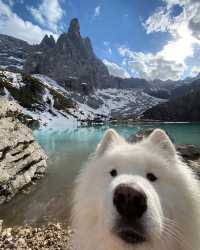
point(113, 173)
point(151, 177)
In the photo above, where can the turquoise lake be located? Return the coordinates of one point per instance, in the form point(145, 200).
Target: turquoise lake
point(50, 199)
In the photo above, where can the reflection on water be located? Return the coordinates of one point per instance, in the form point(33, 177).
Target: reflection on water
point(50, 199)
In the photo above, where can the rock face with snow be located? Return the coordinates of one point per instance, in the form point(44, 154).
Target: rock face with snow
point(21, 158)
point(41, 101)
point(118, 103)
point(13, 52)
point(70, 60)
point(45, 101)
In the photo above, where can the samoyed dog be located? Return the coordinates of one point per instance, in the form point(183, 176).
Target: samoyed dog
point(136, 197)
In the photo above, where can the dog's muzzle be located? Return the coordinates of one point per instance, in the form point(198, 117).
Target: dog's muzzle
point(130, 203)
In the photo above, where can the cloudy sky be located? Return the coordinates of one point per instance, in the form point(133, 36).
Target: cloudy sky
point(151, 39)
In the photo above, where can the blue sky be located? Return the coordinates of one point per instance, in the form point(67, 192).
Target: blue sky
point(142, 38)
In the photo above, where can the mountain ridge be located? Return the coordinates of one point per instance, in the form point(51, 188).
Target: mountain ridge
point(71, 61)
point(82, 79)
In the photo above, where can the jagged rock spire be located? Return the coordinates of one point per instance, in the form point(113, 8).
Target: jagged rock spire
point(74, 27)
point(48, 41)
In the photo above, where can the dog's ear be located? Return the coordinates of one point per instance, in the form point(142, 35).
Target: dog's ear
point(111, 137)
point(161, 140)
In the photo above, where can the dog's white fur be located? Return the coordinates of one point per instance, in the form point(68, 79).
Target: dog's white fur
point(173, 216)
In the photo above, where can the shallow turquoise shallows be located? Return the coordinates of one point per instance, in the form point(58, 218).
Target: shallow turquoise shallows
point(50, 199)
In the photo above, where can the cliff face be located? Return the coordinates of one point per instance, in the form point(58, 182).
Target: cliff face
point(13, 52)
point(71, 60)
point(21, 158)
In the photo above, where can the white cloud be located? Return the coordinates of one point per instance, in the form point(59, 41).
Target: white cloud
point(108, 48)
point(152, 66)
point(195, 71)
point(170, 61)
point(106, 43)
point(182, 44)
point(109, 51)
point(11, 24)
point(180, 49)
point(160, 21)
point(163, 20)
point(116, 70)
point(97, 11)
point(48, 14)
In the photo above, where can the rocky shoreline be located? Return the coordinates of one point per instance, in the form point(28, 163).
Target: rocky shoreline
point(22, 160)
point(189, 153)
point(48, 237)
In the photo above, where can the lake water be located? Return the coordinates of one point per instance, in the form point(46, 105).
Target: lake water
point(49, 200)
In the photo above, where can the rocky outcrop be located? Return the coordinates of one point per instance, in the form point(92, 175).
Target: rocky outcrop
point(37, 95)
point(71, 61)
point(48, 42)
point(190, 153)
point(21, 158)
point(13, 52)
point(9, 109)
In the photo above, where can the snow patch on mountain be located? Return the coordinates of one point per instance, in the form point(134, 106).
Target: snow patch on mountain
point(55, 107)
point(14, 78)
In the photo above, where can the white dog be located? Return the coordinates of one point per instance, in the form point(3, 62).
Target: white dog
point(136, 197)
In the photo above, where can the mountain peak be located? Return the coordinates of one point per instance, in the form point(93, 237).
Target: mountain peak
point(74, 27)
point(48, 41)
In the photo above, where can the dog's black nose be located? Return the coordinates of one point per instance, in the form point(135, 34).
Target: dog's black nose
point(130, 202)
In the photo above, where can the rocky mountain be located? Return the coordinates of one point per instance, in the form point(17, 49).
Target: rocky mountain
point(128, 83)
point(70, 61)
point(183, 108)
point(64, 79)
point(13, 52)
point(185, 89)
point(43, 100)
point(46, 103)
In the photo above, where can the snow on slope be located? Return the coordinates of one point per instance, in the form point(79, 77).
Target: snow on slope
point(101, 104)
point(108, 102)
point(15, 79)
point(82, 111)
point(48, 116)
point(47, 81)
point(120, 102)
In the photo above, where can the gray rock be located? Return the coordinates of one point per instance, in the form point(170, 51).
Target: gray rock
point(21, 157)
point(141, 134)
point(13, 52)
point(189, 152)
point(9, 109)
point(48, 42)
point(71, 61)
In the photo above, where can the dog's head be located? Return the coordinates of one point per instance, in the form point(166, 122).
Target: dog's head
point(132, 191)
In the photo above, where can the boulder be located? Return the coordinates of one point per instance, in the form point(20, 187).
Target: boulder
point(21, 157)
point(141, 134)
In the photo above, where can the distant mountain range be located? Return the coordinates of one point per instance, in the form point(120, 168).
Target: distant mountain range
point(72, 64)
point(71, 61)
